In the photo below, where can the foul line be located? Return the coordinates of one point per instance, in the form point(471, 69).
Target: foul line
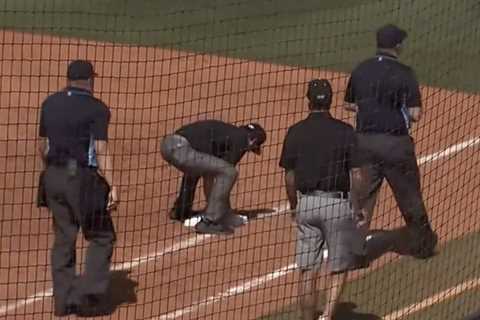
point(185, 244)
point(439, 297)
point(290, 268)
point(449, 151)
point(196, 240)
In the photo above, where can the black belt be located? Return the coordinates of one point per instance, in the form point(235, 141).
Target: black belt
point(326, 194)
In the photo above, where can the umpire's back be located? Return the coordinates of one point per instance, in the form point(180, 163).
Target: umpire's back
point(71, 119)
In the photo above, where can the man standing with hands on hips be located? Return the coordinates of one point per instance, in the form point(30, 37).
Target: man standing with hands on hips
point(385, 95)
point(77, 186)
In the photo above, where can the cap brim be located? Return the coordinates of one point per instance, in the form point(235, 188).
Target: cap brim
point(257, 150)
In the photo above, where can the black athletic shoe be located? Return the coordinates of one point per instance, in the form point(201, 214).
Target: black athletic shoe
point(233, 220)
point(207, 227)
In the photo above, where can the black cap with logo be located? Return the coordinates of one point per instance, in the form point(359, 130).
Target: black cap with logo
point(319, 92)
point(390, 36)
point(80, 70)
point(256, 132)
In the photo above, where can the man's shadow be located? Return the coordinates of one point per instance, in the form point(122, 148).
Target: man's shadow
point(121, 291)
point(346, 311)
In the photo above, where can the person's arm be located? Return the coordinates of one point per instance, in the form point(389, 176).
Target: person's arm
point(357, 180)
point(42, 150)
point(350, 98)
point(413, 99)
point(291, 189)
point(42, 145)
point(104, 156)
point(105, 168)
point(288, 162)
point(356, 193)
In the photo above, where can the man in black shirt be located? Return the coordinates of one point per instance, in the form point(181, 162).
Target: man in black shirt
point(386, 97)
point(210, 149)
point(318, 155)
point(73, 145)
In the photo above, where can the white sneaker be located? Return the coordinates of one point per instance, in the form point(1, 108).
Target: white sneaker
point(192, 222)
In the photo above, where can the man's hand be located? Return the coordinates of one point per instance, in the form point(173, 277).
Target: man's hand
point(112, 199)
point(293, 208)
point(350, 107)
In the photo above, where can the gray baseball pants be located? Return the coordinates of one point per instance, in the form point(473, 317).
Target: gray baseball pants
point(177, 151)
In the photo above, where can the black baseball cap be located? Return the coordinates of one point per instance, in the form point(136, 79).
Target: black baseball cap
point(319, 92)
point(255, 131)
point(389, 36)
point(80, 70)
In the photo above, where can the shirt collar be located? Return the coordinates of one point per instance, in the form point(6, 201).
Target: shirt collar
point(320, 114)
point(383, 54)
point(78, 90)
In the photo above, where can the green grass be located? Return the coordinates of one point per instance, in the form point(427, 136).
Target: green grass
point(406, 281)
point(328, 34)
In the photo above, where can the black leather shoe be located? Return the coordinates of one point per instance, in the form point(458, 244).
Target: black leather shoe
point(426, 246)
point(68, 310)
point(93, 306)
point(208, 227)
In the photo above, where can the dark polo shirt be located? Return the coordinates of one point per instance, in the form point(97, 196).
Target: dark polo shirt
point(72, 119)
point(320, 150)
point(383, 89)
point(217, 138)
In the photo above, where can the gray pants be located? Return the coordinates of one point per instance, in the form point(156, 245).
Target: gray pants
point(177, 151)
point(324, 220)
point(65, 188)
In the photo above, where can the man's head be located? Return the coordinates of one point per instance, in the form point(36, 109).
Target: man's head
point(256, 137)
point(390, 37)
point(319, 94)
point(80, 73)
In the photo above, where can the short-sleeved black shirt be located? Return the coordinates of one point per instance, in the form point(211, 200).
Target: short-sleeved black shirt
point(217, 138)
point(383, 89)
point(321, 151)
point(72, 119)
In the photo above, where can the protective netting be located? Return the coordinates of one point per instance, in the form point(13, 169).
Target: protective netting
point(162, 64)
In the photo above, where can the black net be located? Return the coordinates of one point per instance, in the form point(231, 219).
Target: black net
point(163, 64)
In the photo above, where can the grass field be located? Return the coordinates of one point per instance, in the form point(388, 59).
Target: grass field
point(395, 286)
point(443, 46)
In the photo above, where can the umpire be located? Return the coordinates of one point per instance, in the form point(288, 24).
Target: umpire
point(318, 155)
point(385, 95)
point(210, 149)
point(73, 144)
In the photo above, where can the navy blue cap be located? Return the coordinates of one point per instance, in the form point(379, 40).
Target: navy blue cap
point(389, 36)
point(80, 70)
point(319, 92)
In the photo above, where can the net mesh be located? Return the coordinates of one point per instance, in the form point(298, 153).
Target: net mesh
point(163, 64)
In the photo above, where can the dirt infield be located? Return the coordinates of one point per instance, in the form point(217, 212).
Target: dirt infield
point(151, 91)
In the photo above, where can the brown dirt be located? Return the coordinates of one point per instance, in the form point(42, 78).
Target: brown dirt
point(151, 92)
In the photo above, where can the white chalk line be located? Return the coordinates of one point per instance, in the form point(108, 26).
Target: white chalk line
point(449, 151)
point(196, 240)
point(246, 286)
point(290, 268)
point(182, 245)
point(439, 297)
point(185, 244)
